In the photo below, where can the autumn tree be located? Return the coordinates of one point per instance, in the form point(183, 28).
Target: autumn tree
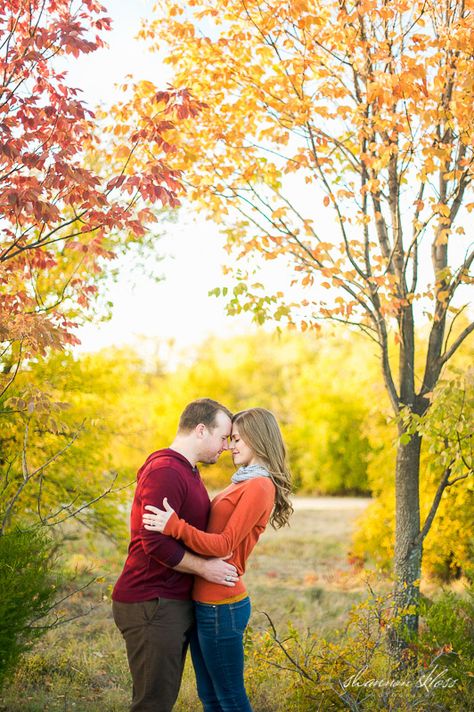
point(70, 189)
point(75, 189)
point(338, 139)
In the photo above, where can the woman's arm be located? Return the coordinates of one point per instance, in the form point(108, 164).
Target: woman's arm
point(256, 501)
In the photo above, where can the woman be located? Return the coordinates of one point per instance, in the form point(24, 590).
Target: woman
point(259, 492)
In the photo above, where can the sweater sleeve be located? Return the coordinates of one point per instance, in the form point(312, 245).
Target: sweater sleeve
point(159, 483)
point(256, 501)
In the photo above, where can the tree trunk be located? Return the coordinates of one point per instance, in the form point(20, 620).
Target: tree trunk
point(408, 554)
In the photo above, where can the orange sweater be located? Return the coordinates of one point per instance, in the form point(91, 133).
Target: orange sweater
point(238, 516)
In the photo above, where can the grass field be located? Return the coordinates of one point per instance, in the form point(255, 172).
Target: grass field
point(299, 574)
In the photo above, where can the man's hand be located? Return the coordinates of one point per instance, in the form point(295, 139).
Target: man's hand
point(213, 570)
point(219, 571)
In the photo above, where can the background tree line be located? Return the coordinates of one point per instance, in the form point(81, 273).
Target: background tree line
point(105, 411)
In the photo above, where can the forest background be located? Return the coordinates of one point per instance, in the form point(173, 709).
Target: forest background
point(76, 425)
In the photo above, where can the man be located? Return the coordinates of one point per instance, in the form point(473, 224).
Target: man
point(152, 604)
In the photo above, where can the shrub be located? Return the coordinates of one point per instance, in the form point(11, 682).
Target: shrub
point(355, 669)
point(28, 586)
point(447, 627)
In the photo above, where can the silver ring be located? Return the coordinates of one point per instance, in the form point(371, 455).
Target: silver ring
point(227, 578)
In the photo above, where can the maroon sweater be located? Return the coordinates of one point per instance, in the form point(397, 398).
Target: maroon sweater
point(148, 571)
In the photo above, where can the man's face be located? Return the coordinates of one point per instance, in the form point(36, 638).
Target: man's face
point(215, 440)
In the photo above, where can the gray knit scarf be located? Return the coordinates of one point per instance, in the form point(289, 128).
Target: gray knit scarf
point(248, 472)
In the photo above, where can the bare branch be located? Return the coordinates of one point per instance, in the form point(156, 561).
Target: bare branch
point(457, 343)
point(17, 367)
point(28, 476)
point(295, 665)
point(86, 505)
point(434, 507)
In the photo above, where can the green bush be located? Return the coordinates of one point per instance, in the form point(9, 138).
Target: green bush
point(447, 627)
point(28, 586)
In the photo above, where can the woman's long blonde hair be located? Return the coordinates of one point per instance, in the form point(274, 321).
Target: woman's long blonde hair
point(259, 429)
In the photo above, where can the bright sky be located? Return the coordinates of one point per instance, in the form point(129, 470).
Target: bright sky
point(178, 308)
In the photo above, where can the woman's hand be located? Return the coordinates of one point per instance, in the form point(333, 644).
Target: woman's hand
point(156, 522)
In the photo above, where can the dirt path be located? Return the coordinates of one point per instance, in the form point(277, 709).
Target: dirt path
point(317, 518)
point(357, 504)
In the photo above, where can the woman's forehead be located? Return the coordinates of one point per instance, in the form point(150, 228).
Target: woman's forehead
point(235, 430)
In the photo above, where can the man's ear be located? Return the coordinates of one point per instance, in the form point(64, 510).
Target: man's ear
point(200, 430)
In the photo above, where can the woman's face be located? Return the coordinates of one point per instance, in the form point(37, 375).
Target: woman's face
point(242, 454)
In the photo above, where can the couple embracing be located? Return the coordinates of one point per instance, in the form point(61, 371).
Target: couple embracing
point(182, 580)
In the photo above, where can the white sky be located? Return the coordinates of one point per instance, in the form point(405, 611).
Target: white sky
point(178, 308)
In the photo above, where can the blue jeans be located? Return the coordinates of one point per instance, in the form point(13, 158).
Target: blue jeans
point(217, 651)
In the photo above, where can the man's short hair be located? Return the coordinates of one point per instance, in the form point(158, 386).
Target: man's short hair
point(202, 410)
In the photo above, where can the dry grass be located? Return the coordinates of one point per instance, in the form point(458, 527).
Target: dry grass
point(298, 574)
point(301, 573)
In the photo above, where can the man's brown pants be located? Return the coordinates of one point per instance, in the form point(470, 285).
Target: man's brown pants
point(156, 634)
